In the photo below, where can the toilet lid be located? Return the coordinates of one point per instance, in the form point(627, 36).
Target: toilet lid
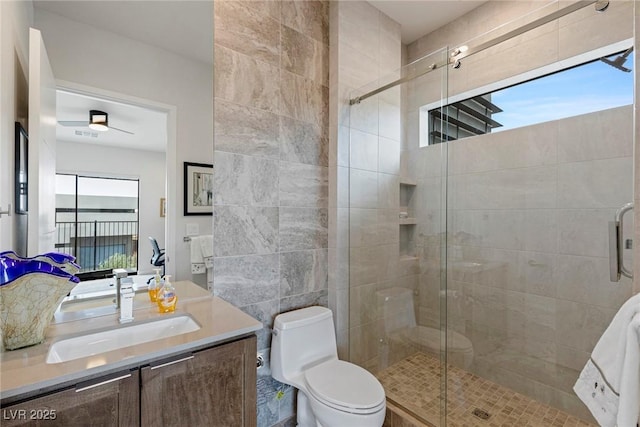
point(430, 338)
point(344, 386)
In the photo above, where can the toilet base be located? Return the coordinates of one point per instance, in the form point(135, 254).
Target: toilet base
point(305, 417)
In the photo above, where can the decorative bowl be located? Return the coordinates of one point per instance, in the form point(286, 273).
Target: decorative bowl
point(30, 291)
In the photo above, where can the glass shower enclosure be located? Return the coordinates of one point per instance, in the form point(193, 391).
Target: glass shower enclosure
point(482, 179)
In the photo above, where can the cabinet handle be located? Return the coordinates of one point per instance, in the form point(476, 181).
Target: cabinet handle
point(184, 359)
point(103, 383)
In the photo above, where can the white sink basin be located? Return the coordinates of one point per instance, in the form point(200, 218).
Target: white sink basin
point(101, 342)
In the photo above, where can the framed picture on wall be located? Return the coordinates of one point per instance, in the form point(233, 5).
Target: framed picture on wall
point(198, 189)
point(21, 170)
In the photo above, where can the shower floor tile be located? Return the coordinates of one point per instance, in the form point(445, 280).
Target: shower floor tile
point(414, 383)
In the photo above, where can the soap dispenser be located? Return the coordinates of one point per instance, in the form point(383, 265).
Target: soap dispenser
point(155, 285)
point(167, 298)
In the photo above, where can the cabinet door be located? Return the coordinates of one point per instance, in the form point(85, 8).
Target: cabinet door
point(108, 401)
point(213, 387)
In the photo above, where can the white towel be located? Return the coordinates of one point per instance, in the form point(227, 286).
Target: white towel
point(609, 384)
point(206, 244)
point(197, 261)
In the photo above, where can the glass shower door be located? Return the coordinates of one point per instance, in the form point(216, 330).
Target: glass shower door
point(530, 193)
point(397, 245)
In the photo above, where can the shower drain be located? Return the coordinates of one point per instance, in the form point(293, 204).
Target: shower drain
point(483, 415)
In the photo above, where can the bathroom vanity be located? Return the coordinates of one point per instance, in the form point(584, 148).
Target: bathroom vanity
point(201, 377)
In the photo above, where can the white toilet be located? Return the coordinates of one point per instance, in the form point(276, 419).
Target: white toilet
point(331, 392)
point(400, 323)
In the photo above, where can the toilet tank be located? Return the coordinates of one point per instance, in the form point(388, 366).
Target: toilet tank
point(301, 339)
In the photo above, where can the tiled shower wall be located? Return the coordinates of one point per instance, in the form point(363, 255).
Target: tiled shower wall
point(271, 113)
point(365, 47)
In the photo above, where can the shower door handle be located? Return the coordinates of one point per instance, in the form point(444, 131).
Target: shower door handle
point(617, 246)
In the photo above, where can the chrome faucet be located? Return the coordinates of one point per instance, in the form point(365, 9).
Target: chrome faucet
point(119, 274)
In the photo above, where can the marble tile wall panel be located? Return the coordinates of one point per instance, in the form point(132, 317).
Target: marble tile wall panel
point(308, 17)
point(364, 150)
point(595, 184)
point(581, 325)
point(272, 132)
point(389, 120)
point(363, 228)
point(586, 280)
point(388, 191)
point(344, 179)
point(245, 180)
point(389, 156)
point(363, 189)
point(304, 300)
point(303, 185)
point(304, 56)
point(264, 312)
point(600, 135)
point(357, 68)
point(303, 142)
point(245, 230)
point(364, 116)
point(516, 148)
point(303, 99)
point(359, 29)
point(303, 272)
point(343, 147)
point(246, 81)
point(339, 267)
point(248, 30)
point(247, 280)
point(584, 231)
point(523, 188)
point(303, 228)
point(245, 130)
point(530, 230)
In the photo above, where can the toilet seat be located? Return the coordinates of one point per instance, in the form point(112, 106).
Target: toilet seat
point(345, 387)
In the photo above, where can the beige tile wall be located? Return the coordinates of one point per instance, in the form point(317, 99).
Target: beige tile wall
point(364, 46)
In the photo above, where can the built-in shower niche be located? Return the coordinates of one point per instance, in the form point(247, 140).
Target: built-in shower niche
point(406, 219)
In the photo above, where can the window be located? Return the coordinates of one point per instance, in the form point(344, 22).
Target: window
point(97, 222)
point(596, 85)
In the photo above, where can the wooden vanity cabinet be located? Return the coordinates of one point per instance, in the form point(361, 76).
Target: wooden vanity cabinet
point(212, 387)
point(107, 401)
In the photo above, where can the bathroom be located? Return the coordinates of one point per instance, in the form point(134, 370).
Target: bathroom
point(306, 196)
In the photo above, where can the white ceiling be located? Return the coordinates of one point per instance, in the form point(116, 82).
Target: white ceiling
point(184, 27)
point(149, 127)
point(420, 17)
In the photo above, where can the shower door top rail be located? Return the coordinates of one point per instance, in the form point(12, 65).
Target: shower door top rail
point(464, 51)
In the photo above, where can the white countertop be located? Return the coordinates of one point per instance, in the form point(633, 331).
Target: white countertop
point(25, 371)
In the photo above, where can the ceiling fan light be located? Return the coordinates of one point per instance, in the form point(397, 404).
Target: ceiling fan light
point(98, 120)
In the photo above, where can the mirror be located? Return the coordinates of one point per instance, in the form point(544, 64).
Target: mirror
point(148, 66)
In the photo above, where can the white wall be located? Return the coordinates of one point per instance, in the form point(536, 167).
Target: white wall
point(130, 67)
point(147, 166)
point(15, 19)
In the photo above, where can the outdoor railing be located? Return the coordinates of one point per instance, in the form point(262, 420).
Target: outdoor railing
point(99, 245)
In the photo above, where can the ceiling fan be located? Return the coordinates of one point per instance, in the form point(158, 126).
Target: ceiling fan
point(98, 120)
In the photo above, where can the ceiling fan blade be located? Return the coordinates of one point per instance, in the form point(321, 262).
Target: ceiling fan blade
point(73, 123)
point(122, 130)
